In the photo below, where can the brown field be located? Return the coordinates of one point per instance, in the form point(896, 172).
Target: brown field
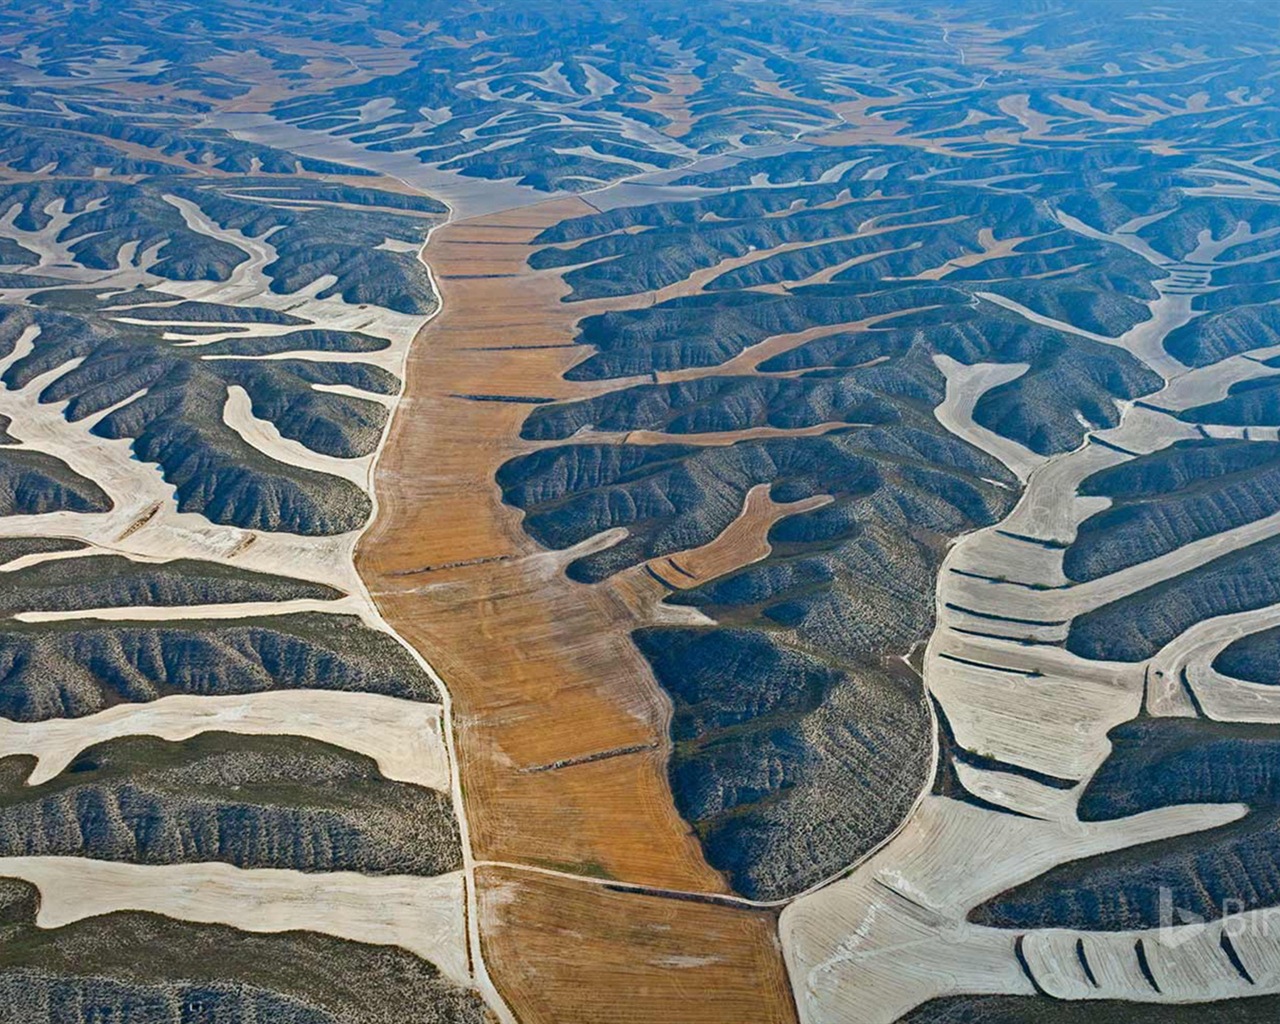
point(750, 358)
point(576, 952)
point(706, 439)
point(674, 103)
point(743, 541)
point(867, 127)
point(992, 249)
point(542, 669)
point(561, 729)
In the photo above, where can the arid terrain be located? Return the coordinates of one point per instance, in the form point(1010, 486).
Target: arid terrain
point(628, 513)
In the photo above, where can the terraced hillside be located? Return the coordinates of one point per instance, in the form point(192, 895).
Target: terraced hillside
point(556, 512)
